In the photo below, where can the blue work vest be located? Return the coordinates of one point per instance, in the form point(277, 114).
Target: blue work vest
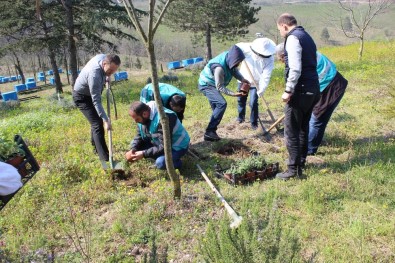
point(308, 77)
point(326, 71)
point(179, 138)
point(207, 77)
point(166, 92)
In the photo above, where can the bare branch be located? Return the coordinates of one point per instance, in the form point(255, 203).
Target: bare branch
point(161, 16)
point(133, 17)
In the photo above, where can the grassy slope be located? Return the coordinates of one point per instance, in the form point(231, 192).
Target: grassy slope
point(343, 212)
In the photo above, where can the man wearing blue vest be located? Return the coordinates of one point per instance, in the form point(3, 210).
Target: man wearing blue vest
point(213, 80)
point(148, 142)
point(172, 98)
point(332, 88)
point(301, 91)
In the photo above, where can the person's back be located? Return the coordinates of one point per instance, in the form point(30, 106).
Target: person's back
point(326, 71)
point(172, 97)
point(91, 72)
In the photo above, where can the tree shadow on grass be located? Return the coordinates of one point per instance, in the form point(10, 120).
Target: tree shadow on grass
point(360, 152)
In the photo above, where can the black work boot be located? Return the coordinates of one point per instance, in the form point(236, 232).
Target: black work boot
point(211, 136)
point(290, 173)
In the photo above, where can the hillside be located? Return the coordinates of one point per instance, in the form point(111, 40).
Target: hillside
point(344, 211)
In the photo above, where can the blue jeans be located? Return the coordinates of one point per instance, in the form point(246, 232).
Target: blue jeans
point(161, 163)
point(218, 105)
point(317, 127)
point(241, 106)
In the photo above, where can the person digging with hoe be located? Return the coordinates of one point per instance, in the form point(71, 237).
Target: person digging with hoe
point(87, 92)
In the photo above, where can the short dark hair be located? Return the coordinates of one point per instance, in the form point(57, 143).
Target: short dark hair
point(139, 107)
point(287, 19)
point(111, 58)
point(178, 100)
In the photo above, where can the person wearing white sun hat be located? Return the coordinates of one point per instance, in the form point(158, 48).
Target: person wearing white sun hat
point(260, 62)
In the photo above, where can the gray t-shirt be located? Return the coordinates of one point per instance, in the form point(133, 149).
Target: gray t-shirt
point(90, 82)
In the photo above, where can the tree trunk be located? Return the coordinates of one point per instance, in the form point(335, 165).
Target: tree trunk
point(361, 42)
point(72, 46)
point(209, 54)
point(52, 59)
point(34, 68)
point(66, 65)
point(19, 68)
point(165, 123)
point(54, 66)
point(42, 67)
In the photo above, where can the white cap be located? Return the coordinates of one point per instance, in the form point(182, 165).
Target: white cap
point(263, 46)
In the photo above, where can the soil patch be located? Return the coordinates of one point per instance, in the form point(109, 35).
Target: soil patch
point(232, 147)
point(128, 178)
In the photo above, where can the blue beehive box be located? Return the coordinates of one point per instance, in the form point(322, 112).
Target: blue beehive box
point(19, 77)
point(6, 79)
point(52, 81)
point(31, 85)
point(1, 79)
point(41, 74)
point(187, 62)
point(50, 72)
point(13, 78)
point(60, 70)
point(120, 75)
point(174, 65)
point(41, 78)
point(12, 95)
point(20, 87)
point(30, 80)
point(198, 59)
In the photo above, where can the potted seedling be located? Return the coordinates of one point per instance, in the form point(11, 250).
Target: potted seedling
point(245, 169)
point(11, 152)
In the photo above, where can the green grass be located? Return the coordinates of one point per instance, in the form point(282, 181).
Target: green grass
point(343, 212)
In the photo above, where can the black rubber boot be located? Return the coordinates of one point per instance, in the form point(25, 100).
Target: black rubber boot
point(211, 136)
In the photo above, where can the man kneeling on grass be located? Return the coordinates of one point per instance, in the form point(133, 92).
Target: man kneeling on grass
point(148, 142)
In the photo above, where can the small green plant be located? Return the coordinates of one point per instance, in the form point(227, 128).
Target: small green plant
point(9, 149)
point(247, 165)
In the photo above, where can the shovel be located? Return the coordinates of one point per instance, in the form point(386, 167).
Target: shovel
point(267, 105)
point(110, 97)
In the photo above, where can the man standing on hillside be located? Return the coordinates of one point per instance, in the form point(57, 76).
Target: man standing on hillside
point(149, 142)
point(260, 62)
point(213, 80)
point(87, 92)
point(301, 91)
point(172, 98)
point(332, 88)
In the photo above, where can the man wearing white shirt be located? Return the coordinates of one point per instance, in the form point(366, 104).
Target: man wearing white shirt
point(260, 60)
point(301, 91)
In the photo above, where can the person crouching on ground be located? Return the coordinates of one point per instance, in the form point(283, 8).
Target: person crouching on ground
point(260, 61)
point(213, 80)
point(172, 98)
point(148, 142)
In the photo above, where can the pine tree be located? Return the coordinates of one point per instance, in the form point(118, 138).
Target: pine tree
point(224, 20)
